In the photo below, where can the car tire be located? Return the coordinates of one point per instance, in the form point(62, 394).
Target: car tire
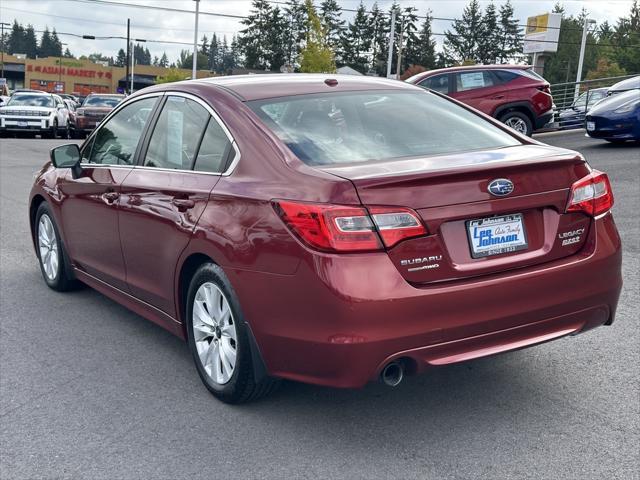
point(52, 256)
point(214, 318)
point(53, 131)
point(519, 121)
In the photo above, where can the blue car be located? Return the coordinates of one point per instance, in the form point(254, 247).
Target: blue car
point(573, 117)
point(616, 118)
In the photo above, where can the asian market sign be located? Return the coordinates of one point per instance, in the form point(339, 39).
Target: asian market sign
point(72, 72)
point(542, 33)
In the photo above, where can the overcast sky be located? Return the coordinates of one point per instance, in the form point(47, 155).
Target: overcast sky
point(80, 17)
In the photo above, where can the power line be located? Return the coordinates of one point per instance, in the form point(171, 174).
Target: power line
point(137, 26)
point(155, 7)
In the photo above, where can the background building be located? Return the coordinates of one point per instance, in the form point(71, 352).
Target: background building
point(81, 77)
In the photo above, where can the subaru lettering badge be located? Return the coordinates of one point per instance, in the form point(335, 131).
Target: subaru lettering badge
point(500, 187)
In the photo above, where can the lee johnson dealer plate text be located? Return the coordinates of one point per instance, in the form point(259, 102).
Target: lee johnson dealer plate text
point(496, 235)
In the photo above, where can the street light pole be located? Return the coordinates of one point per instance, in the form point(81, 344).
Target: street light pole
point(126, 75)
point(195, 43)
point(583, 44)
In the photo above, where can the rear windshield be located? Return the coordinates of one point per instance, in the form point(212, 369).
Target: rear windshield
point(101, 101)
point(18, 100)
point(337, 128)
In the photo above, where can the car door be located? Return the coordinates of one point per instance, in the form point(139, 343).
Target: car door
point(90, 199)
point(163, 198)
point(479, 89)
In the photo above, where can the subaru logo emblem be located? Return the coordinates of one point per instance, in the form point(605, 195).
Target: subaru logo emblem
point(500, 187)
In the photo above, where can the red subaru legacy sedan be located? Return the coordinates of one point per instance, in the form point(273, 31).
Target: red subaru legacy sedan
point(327, 229)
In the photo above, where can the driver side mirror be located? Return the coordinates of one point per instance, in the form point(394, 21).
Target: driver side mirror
point(67, 156)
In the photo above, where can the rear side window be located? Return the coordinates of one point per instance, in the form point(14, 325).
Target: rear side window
point(473, 80)
point(348, 127)
point(214, 149)
point(505, 76)
point(439, 83)
point(177, 134)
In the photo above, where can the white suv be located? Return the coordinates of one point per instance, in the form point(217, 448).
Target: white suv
point(35, 112)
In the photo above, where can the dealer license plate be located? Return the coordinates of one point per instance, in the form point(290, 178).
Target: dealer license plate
point(23, 124)
point(591, 126)
point(496, 235)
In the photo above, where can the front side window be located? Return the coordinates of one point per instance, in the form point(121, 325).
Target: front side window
point(116, 141)
point(439, 83)
point(177, 134)
point(473, 80)
point(336, 128)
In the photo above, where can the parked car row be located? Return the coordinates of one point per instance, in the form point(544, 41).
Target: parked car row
point(34, 112)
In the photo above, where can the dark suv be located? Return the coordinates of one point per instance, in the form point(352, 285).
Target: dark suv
point(514, 94)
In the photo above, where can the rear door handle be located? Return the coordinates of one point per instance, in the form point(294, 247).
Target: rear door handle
point(183, 204)
point(110, 197)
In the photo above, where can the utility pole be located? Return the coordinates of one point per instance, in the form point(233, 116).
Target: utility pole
point(126, 76)
point(60, 65)
point(392, 35)
point(399, 64)
point(195, 43)
point(585, 29)
point(133, 59)
point(2, 24)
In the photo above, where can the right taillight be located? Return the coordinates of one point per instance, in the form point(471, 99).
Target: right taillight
point(591, 194)
point(341, 228)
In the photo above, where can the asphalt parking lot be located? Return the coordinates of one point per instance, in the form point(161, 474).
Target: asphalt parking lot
point(91, 390)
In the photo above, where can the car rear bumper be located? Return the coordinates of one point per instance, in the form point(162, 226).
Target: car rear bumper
point(544, 118)
point(340, 319)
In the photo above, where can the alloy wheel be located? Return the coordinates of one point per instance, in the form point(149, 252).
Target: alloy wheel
point(48, 246)
point(517, 124)
point(214, 332)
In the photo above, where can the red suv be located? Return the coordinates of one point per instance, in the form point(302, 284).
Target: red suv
point(514, 94)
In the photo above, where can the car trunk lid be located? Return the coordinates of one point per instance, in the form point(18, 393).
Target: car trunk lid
point(450, 194)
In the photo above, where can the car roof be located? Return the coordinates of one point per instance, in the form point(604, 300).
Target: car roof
point(462, 68)
point(35, 93)
point(262, 86)
point(627, 84)
point(116, 95)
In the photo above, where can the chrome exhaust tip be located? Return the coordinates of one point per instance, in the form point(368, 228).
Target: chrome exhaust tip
point(392, 374)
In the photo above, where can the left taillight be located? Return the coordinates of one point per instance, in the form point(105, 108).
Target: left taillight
point(341, 228)
point(591, 194)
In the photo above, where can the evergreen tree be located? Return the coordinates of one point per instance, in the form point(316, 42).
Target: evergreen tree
point(56, 44)
point(462, 44)
point(276, 40)
point(409, 29)
point(15, 40)
point(316, 56)
point(509, 38)
point(331, 16)
point(627, 38)
point(380, 26)
point(164, 61)
point(253, 39)
point(229, 60)
point(426, 46)
point(488, 47)
point(46, 47)
point(295, 34)
point(204, 48)
point(67, 53)
point(156, 60)
point(30, 42)
point(357, 41)
point(121, 59)
point(214, 54)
